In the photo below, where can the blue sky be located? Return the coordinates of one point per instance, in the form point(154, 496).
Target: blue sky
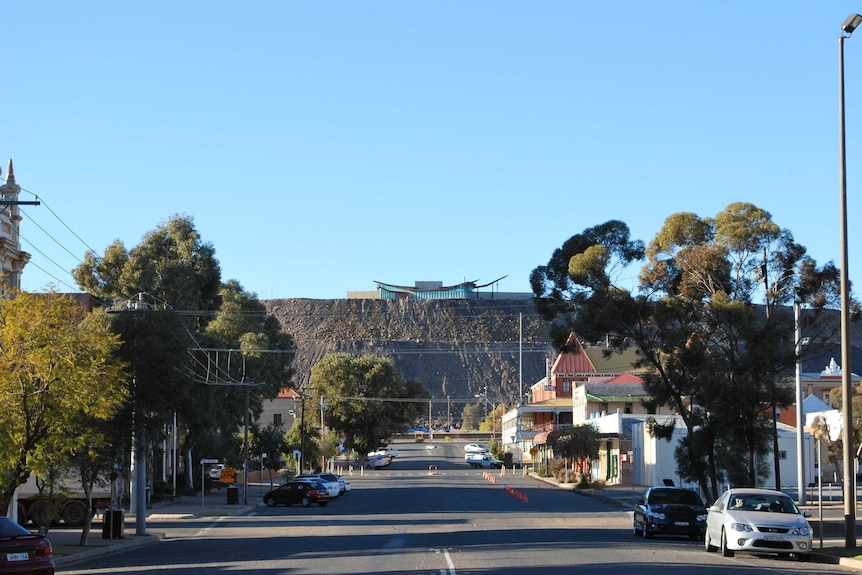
point(320, 146)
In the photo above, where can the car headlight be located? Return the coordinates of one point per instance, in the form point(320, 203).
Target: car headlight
point(661, 516)
point(800, 531)
point(741, 527)
point(701, 518)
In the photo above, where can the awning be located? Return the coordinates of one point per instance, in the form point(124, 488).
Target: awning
point(540, 438)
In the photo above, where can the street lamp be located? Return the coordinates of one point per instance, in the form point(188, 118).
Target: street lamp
point(847, 28)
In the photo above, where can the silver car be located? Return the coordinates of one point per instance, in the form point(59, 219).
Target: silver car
point(757, 521)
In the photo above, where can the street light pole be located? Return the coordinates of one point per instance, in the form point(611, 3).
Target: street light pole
point(847, 28)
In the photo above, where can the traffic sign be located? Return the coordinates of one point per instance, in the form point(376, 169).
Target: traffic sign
point(205, 461)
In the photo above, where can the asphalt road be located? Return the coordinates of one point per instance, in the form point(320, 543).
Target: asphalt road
point(429, 512)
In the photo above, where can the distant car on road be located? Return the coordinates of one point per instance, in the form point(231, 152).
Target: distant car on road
point(384, 451)
point(24, 552)
point(757, 521)
point(378, 462)
point(485, 461)
point(298, 492)
point(476, 448)
point(669, 511)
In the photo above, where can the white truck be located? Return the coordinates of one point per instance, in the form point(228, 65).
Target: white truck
point(483, 460)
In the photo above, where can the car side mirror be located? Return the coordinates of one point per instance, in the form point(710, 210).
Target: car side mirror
point(640, 501)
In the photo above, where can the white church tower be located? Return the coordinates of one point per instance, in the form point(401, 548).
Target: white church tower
point(12, 259)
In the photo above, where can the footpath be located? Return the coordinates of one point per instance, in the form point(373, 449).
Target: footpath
point(66, 542)
point(187, 509)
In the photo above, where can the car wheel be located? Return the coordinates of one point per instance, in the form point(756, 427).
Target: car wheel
point(707, 543)
point(305, 502)
point(270, 502)
point(635, 531)
point(724, 550)
point(322, 503)
point(647, 532)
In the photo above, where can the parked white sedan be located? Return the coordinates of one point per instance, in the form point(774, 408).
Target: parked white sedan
point(475, 448)
point(757, 521)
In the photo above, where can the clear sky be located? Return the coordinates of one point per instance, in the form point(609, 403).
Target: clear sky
point(320, 146)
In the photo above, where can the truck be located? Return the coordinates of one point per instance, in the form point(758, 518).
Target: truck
point(71, 505)
point(485, 461)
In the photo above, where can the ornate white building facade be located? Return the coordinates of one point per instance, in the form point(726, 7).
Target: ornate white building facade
point(12, 257)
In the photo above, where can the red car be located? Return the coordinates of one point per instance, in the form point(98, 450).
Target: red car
point(303, 492)
point(24, 552)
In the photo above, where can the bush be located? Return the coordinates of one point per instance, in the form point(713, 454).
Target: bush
point(162, 490)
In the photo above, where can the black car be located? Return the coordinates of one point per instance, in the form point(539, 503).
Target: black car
point(301, 492)
point(669, 511)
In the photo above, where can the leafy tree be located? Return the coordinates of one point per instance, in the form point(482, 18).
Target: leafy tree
point(556, 293)
point(472, 416)
point(57, 369)
point(714, 357)
point(174, 268)
point(368, 400)
point(579, 443)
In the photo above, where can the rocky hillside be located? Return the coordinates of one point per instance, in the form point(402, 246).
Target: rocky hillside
point(456, 348)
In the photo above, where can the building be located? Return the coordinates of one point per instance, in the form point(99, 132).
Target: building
point(12, 257)
point(435, 290)
point(282, 410)
point(576, 372)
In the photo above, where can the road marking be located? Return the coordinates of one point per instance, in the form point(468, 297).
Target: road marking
point(449, 562)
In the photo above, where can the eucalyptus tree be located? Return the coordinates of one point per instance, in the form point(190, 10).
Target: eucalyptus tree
point(713, 355)
point(188, 312)
point(365, 398)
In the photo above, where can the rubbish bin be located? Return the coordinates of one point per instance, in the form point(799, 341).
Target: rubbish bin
point(233, 495)
point(113, 524)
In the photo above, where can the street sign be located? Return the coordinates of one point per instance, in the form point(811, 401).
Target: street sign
point(205, 461)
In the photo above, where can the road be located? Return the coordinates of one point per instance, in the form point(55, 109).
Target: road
point(429, 512)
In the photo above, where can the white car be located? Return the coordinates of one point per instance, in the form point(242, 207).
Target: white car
point(384, 452)
point(378, 462)
point(333, 487)
point(475, 448)
point(757, 521)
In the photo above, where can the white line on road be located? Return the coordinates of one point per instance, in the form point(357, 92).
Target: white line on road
point(449, 562)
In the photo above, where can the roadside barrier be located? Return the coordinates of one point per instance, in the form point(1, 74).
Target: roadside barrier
point(489, 477)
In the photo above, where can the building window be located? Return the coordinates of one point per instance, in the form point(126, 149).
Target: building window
point(276, 419)
point(627, 408)
point(782, 455)
point(567, 385)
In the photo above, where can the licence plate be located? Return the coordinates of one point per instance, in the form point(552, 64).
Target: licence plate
point(773, 538)
point(681, 523)
point(17, 557)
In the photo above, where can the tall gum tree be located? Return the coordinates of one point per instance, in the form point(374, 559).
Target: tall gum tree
point(714, 356)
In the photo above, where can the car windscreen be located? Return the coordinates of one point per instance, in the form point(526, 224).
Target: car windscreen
point(674, 497)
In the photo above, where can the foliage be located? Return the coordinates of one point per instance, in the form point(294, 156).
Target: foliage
point(578, 443)
point(472, 416)
point(366, 399)
point(174, 268)
point(712, 356)
point(57, 372)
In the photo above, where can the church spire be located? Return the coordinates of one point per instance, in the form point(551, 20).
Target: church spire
point(10, 174)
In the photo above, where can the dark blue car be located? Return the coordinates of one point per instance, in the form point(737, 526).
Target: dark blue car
point(669, 511)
